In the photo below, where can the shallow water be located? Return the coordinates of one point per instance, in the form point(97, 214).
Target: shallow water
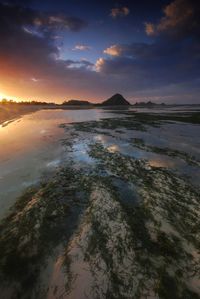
point(183, 137)
point(30, 147)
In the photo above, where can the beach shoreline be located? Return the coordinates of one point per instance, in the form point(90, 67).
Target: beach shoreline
point(9, 112)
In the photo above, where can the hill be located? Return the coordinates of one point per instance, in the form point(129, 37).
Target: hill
point(116, 100)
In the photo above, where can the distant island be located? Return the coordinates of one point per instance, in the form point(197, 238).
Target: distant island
point(77, 103)
point(116, 100)
point(148, 104)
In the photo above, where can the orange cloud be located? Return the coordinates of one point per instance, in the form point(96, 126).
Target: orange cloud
point(149, 28)
point(119, 12)
point(99, 64)
point(114, 50)
point(177, 16)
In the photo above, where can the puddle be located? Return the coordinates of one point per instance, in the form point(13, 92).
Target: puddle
point(80, 153)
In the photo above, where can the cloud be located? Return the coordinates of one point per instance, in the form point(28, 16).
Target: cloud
point(130, 51)
point(149, 28)
point(84, 64)
point(119, 12)
point(114, 50)
point(81, 48)
point(180, 17)
point(18, 15)
point(99, 64)
point(34, 79)
point(60, 22)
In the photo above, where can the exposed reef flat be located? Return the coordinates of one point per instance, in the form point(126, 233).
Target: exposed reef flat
point(112, 224)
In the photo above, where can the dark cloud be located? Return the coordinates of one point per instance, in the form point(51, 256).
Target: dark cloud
point(154, 64)
point(181, 18)
point(27, 35)
point(28, 50)
point(16, 15)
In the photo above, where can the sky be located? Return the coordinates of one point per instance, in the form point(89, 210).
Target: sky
point(57, 50)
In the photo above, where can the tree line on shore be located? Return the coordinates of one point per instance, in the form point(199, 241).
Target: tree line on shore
point(12, 102)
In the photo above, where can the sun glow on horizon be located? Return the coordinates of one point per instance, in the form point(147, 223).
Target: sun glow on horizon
point(5, 96)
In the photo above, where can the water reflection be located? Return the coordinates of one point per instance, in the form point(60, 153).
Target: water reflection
point(31, 145)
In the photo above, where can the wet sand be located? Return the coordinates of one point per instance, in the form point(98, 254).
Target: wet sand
point(12, 111)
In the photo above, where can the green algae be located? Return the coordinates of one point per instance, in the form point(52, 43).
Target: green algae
point(166, 200)
point(152, 118)
point(135, 121)
point(109, 124)
point(151, 260)
point(150, 249)
point(42, 218)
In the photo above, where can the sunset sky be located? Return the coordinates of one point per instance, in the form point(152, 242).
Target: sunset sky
point(55, 50)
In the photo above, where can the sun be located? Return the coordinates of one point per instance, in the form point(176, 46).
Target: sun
point(5, 96)
point(2, 96)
